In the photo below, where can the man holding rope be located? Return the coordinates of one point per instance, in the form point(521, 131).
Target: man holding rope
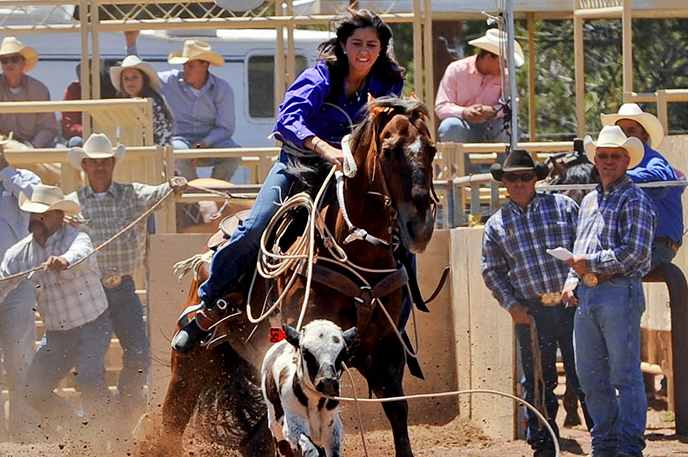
point(527, 282)
point(17, 315)
point(71, 302)
point(611, 255)
point(108, 207)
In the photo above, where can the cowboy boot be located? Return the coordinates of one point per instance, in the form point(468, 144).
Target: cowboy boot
point(190, 334)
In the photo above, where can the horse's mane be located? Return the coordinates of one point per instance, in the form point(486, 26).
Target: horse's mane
point(409, 107)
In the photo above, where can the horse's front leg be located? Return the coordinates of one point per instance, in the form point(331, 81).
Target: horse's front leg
point(384, 371)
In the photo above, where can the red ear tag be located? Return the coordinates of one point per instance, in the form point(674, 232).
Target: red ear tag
point(277, 334)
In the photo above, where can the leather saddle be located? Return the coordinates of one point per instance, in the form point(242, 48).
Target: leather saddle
point(227, 227)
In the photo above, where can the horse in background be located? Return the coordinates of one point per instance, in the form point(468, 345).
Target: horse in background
point(572, 167)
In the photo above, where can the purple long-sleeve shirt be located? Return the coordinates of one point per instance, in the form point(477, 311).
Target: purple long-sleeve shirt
point(303, 113)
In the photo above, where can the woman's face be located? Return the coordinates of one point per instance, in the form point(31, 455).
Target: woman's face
point(362, 49)
point(132, 81)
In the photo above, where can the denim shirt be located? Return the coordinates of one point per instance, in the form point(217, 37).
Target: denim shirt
point(303, 113)
point(14, 223)
point(667, 200)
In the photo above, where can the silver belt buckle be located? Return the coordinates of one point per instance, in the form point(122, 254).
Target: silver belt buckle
point(550, 298)
point(112, 281)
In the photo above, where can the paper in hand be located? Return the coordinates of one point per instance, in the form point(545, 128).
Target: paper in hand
point(560, 253)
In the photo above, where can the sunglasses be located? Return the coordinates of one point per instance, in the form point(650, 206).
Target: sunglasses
point(513, 177)
point(10, 59)
point(615, 156)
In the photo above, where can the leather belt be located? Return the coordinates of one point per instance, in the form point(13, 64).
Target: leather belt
point(112, 281)
point(592, 279)
point(668, 242)
point(550, 298)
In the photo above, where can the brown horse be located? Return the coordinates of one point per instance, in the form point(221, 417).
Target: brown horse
point(391, 199)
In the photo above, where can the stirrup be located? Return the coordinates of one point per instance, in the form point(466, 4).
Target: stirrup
point(184, 319)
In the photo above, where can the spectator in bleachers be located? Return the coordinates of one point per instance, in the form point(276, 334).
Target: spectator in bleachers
point(467, 100)
point(202, 105)
point(72, 305)
point(72, 128)
point(136, 78)
point(17, 316)
point(108, 207)
point(654, 167)
point(37, 130)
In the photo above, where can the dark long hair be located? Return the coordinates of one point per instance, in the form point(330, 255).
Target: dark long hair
point(385, 67)
point(149, 92)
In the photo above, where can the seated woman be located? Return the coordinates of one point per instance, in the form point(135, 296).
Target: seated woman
point(311, 122)
point(136, 78)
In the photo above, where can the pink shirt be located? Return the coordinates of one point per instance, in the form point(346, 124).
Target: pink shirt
point(462, 86)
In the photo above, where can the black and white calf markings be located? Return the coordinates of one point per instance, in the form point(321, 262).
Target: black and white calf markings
point(297, 376)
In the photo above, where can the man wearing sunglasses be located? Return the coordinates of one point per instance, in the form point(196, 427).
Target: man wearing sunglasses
point(38, 130)
point(527, 281)
point(611, 255)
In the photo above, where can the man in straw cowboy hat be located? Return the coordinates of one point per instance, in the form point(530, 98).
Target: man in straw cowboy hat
point(17, 315)
point(202, 105)
point(610, 256)
point(654, 167)
point(71, 302)
point(108, 207)
point(527, 282)
point(38, 130)
point(467, 100)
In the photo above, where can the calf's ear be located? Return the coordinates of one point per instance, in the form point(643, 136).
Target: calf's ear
point(349, 336)
point(293, 335)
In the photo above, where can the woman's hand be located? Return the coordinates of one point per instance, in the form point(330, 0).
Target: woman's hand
point(325, 150)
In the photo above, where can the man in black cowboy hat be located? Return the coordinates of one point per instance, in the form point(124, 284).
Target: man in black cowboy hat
point(527, 281)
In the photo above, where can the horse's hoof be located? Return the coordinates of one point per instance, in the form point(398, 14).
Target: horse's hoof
point(187, 337)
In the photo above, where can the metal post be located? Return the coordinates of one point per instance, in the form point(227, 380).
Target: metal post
point(678, 298)
point(511, 65)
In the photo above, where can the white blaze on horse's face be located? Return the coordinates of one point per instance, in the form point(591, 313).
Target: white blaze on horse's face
point(415, 147)
point(323, 347)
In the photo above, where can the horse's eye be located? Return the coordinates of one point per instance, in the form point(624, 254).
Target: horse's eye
point(388, 152)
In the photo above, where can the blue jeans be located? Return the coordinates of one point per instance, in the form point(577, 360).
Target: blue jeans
point(461, 131)
point(607, 344)
point(223, 168)
point(82, 348)
point(17, 338)
point(75, 141)
point(231, 261)
point(126, 314)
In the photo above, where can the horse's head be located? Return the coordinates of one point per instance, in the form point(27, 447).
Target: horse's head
point(399, 157)
point(572, 168)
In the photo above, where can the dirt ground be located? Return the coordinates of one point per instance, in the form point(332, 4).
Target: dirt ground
point(458, 438)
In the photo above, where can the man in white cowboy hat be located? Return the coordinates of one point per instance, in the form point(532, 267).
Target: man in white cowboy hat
point(611, 254)
point(38, 130)
point(17, 315)
point(71, 302)
point(108, 207)
point(654, 167)
point(202, 105)
point(467, 101)
point(527, 282)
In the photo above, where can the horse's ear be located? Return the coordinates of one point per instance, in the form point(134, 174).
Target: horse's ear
point(559, 167)
point(413, 96)
point(370, 97)
point(293, 335)
point(349, 336)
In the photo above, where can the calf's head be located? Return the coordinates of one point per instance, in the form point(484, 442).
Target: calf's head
point(322, 347)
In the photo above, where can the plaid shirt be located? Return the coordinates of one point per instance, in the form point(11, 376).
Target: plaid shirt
point(67, 299)
point(515, 264)
point(616, 229)
point(122, 204)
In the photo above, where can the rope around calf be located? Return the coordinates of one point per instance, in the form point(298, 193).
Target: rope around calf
point(457, 393)
point(102, 246)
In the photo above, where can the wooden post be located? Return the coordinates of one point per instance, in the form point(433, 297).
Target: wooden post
point(532, 109)
point(627, 47)
point(418, 50)
point(662, 110)
point(579, 61)
point(429, 59)
point(280, 67)
point(291, 53)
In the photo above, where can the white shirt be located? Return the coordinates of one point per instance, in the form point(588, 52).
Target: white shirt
point(67, 299)
point(14, 223)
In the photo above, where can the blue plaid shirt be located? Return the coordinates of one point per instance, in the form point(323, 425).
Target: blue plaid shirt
point(616, 229)
point(515, 264)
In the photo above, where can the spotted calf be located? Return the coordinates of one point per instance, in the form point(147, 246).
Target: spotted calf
point(297, 375)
